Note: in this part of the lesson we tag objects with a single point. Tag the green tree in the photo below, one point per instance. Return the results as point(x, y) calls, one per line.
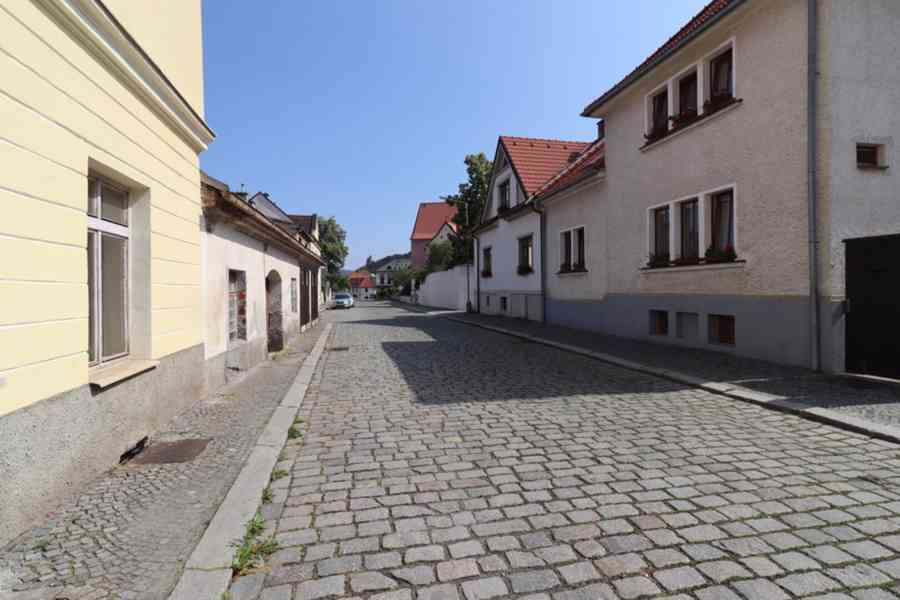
point(440, 256)
point(469, 200)
point(333, 242)
point(339, 283)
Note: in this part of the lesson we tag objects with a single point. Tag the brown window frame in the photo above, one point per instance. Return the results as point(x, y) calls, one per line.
point(659, 322)
point(722, 329)
point(869, 156)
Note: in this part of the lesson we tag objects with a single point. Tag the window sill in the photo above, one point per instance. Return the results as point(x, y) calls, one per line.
point(703, 119)
point(106, 375)
point(864, 167)
point(572, 273)
point(522, 273)
point(713, 266)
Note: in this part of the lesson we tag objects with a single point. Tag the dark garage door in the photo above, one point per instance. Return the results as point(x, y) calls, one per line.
point(873, 317)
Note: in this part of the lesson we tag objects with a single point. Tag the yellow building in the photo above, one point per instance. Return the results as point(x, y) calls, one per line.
point(101, 127)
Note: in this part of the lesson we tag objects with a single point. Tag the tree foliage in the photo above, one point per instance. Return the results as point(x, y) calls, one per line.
point(469, 200)
point(440, 256)
point(333, 242)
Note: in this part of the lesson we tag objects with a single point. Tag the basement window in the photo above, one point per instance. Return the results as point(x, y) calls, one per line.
point(721, 329)
point(870, 156)
point(659, 322)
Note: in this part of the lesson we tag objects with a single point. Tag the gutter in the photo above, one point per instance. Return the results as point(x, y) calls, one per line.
point(635, 76)
point(543, 230)
point(815, 350)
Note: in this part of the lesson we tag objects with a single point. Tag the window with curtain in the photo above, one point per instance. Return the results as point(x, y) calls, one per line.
point(722, 221)
point(661, 234)
point(720, 69)
point(526, 255)
point(659, 123)
point(690, 229)
point(107, 255)
point(565, 251)
point(687, 95)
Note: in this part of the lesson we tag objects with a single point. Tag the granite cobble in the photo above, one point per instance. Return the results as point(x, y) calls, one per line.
point(444, 461)
point(127, 534)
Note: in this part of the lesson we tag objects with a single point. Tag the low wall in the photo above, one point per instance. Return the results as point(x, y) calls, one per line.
point(447, 289)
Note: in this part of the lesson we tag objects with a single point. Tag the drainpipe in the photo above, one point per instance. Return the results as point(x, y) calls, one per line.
point(812, 212)
point(543, 230)
point(476, 261)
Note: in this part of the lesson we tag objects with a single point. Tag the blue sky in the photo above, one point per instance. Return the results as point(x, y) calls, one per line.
point(361, 109)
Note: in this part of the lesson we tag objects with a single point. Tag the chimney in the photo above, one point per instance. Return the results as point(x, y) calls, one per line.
point(241, 194)
point(601, 129)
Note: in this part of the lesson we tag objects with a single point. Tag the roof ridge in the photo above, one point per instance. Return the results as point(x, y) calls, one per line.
point(536, 139)
point(570, 167)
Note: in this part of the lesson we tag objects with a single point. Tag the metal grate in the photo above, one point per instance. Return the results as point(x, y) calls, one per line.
point(179, 451)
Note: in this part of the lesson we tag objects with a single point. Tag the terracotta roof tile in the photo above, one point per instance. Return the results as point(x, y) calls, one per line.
point(430, 218)
point(697, 24)
point(590, 161)
point(537, 160)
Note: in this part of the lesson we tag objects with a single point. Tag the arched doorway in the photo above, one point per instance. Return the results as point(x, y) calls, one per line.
point(273, 312)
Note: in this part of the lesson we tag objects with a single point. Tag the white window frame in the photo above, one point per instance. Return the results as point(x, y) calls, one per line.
point(648, 105)
point(707, 76)
point(519, 240)
point(488, 250)
point(237, 315)
point(294, 295)
point(704, 214)
point(505, 180)
point(103, 227)
point(572, 245)
point(704, 80)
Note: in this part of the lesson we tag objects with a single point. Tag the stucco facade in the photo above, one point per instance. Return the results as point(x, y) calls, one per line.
point(755, 149)
point(81, 100)
point(522, 293)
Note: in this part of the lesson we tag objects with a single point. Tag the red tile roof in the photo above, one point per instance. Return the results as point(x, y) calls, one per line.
point(706, 17)
point(537, 160)
point(590, 161)
point(430, 218)
point(367, 283)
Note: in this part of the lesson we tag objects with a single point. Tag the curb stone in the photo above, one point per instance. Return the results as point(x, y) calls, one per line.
point(778, 403)
point(207, 573)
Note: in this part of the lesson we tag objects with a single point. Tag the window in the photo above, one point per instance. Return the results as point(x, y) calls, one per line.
point(107, 254)
point(690, 231)
point(870, 156)
point(487, 300)
point(659, 255)
point(687, 325)
point(237, 305)
point(721, 206)
point(526, 255)
point(503, 192)
point(486, 263)
point(687, 95)
point(721, 329)
point(659, 322)
point(659, 116)
point(293, 294)
point(571, 250)
point(503, 303)
point(721, 80)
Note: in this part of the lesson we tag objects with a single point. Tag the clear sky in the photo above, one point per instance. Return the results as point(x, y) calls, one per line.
point(361, 109)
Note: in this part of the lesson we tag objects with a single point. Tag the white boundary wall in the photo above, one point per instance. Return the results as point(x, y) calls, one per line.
point(447, 289)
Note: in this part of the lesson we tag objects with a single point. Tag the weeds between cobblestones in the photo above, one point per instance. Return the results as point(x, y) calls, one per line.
point(549, 476)
point(252, 551)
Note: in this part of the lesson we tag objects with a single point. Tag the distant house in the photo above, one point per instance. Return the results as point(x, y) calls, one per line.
point(432, 219)
point(509, 243)
point(362, 285)
point(259, 280)
point(384, 276)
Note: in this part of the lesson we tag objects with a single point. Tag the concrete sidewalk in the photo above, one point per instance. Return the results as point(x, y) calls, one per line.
point(129, 534)
point(869, 407)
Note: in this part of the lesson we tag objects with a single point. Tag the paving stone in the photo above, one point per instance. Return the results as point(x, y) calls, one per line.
point(635, 587)
point(482, 589)
point(533, 581)
point(335, 566)
point(718, 592)
point(424, 553)
point(621, 564)
point(370, 581)
point(421, 575)
point(805, 584)
point(324, 587)
point(465, 549)
point(760, 589)
point(723, 570)
point(858, 575)
point(579, 572)
point(438, 592)
point(679, 578)
point(457, 569)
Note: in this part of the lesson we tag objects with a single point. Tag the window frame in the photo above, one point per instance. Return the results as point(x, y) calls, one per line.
point(238, 301)
point(568, 251)
point(709, 107)
point(711, 198)
point(528, 267)
point(100, 227)
point(487, 261)
point(658, 322)
point(680, 233)
point(294, 295)
point(711, 330)
point(650, 133)
point(504, 203)
point(652, 235)
point(880, 150)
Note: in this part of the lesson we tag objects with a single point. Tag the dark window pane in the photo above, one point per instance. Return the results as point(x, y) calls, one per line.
point(659, 322)
point(661, 233)
point(687, 94)
point(92, 295)
point(867, 155)
point(114, 205)
point(660, 112)
point(566, 247)
point(690, 231)
point(722, 221)
point(721, 329)
point(720, 71)
point(579, 247)
point(114, 290)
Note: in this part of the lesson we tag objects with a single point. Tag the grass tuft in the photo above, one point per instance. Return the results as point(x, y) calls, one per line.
point(267, 495)
point(294, 433)
point(279, 474)
point(251, 551)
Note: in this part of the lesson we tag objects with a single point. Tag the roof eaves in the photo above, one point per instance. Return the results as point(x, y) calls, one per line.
point(638, 73)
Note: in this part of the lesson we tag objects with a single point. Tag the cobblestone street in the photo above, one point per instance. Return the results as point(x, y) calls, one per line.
point(128, 533)
point(442, 461)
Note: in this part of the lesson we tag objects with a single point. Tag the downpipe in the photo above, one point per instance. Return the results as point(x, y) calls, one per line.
point(812, 182)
